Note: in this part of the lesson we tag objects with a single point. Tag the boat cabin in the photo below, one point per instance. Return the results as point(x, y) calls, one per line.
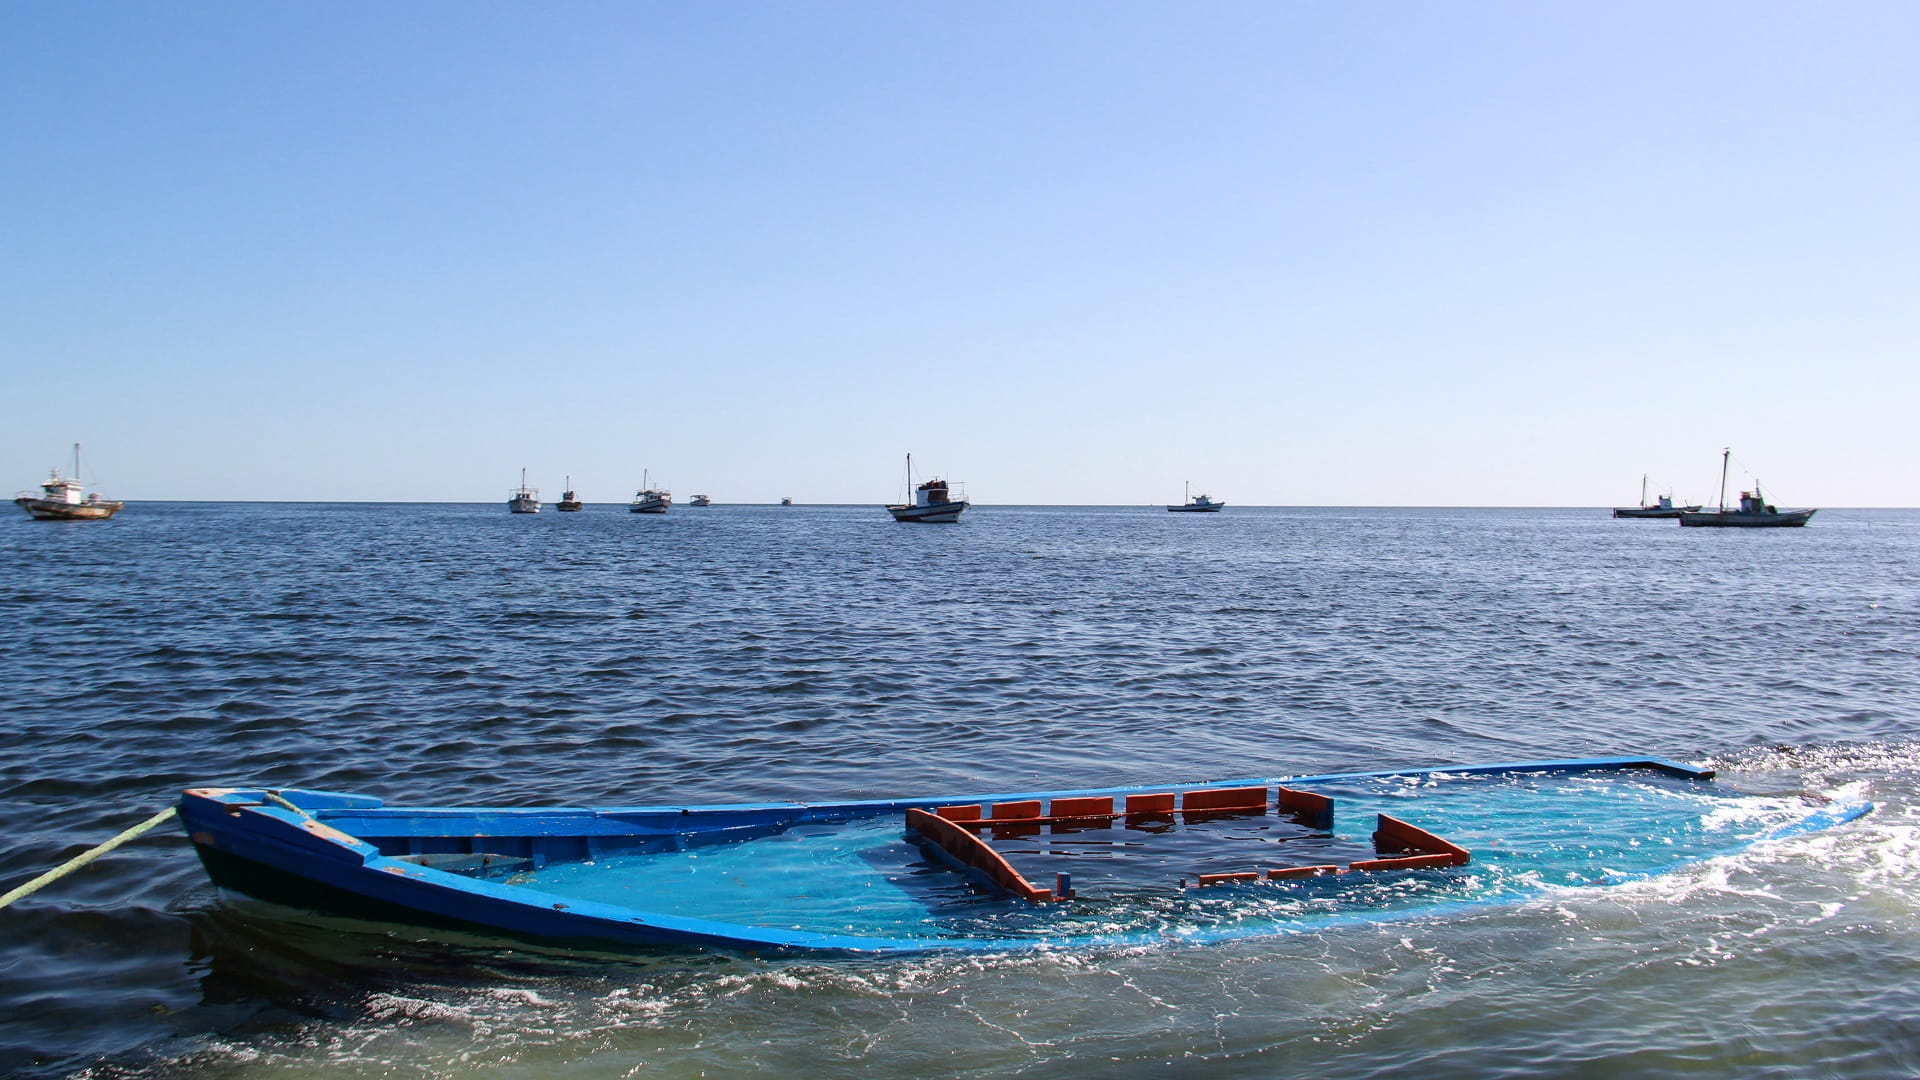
point(61, 490)
point(932, 493)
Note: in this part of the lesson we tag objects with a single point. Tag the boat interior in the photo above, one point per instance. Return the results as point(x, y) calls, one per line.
point(1200, 837)
point(1191, 838)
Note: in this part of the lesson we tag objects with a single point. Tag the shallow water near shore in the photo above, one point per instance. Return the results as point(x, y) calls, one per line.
point(457, 654)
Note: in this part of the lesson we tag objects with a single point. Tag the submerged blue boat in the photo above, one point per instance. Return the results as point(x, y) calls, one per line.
point(1119, 866)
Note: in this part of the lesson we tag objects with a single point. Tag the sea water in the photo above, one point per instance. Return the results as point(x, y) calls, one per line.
point(457, 654)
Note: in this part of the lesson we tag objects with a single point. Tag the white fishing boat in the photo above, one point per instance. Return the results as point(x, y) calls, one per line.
point(1196, 504)
point(568, 503)
point(650, 499)
point(523, 499)
point(65, 498)
point(700, 500)
point(1754, 512)
point(1662, 508)
point(933, 502)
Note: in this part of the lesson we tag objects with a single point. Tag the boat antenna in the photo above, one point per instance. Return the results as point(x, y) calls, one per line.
point(1725, 456)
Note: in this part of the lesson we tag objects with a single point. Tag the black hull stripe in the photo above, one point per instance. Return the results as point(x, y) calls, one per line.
point(929, 515)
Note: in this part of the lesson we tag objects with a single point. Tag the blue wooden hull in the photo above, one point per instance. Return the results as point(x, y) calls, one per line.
point(839, 878)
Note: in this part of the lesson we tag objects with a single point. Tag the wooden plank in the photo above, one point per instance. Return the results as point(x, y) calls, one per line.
point(1393, 835)
point(969, 850)
point(1312, 809)
point(1245, 798)
point(1089, 806)
point(1155, 803)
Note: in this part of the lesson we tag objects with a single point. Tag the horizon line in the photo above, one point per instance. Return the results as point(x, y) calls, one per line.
point(1009, 506)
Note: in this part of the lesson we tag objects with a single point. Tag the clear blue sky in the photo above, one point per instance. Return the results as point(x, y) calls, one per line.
point(1298, 253)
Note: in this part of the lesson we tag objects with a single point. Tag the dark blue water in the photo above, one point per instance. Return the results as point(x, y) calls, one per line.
point(459, 654)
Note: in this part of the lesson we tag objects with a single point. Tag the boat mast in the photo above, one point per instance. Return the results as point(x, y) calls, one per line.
point(909, 498)
point(1643, 490)
point(1724, 456)
point(76, 461)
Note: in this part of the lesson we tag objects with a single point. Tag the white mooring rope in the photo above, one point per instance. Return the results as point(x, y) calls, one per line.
point(84, 858)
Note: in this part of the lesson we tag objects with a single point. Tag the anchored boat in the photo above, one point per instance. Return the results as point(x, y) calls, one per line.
point(700, 500)
point(523, 499)
point(1662, 508)
point(65, 498)
point(1196, 504)
point(933, 502)
point(1754, 512)
point(1127, 866)
point(650, 499)
point(568, 503)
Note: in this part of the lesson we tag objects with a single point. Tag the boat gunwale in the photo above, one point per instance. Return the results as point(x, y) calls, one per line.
point(878, 806)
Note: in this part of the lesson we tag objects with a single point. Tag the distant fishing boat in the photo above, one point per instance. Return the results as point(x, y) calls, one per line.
point(523, 500)
point(700, 500)
point(786, 500)
point(932, 502)
point(1754, 513)
point(1663, 508)
point(650, 499)
point(568, 502)
point(1196, 504)
point(65, 498)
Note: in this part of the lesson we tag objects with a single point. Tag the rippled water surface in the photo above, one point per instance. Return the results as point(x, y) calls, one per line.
point(457, 654)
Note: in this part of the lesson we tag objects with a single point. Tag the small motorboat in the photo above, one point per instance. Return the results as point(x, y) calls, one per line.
point(1129, 866)
point(1754, 512)
point(569, 503)
point(1197, 504)
point(523, 499)
point(65, 498)
point(933, 502)
point(1661, 508)
point(650, 499)
point(786, 500)
point(700, 500)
